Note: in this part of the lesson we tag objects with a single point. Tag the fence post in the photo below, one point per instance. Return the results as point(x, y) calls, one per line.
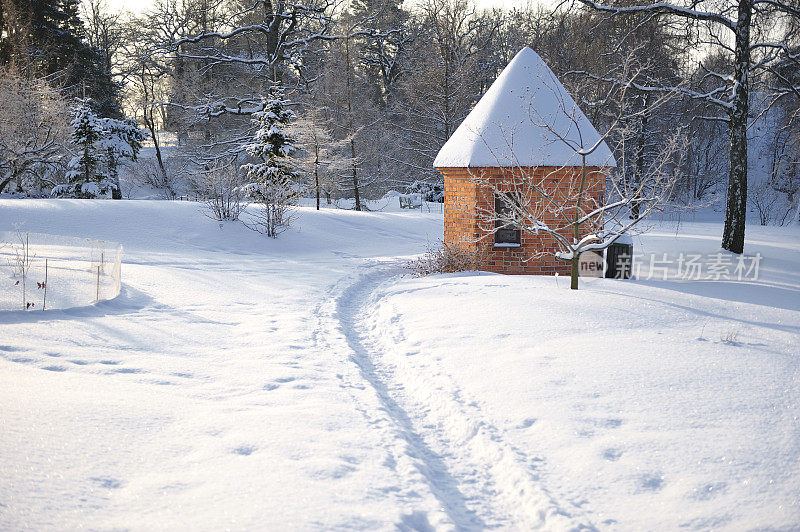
point(97, 297)
point(24, 269)
point(44, 298)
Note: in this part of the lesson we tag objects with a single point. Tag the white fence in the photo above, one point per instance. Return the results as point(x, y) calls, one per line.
point(44, 272)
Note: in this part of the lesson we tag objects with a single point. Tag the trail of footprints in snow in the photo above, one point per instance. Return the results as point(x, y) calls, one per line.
point(487, 472)
point(12, 354)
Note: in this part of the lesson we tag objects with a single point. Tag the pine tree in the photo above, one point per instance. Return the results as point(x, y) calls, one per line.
point(46, 37)
point(271, 143)
point(87, 131)
point(122, 139)
point(272, 179)
point(100, 143)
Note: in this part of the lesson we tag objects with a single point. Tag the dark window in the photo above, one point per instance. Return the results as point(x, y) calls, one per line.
point(506, 231)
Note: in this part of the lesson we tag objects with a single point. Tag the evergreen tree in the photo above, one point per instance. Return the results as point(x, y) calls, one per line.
point(86, 132)
point(100, 143)
point(122, 139)
point(46, 37)
point(271, 144)
point(272, 179)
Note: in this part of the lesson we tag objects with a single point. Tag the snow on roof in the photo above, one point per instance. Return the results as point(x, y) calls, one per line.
point(526, 118)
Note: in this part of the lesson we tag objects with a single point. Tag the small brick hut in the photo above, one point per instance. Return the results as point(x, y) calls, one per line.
point(525, 125)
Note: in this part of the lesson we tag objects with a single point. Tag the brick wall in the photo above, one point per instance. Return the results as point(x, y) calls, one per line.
point(469, 208)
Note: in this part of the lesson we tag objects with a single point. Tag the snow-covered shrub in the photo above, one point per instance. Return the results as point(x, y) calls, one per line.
point(177, 177)
point(87, 190)
point(222, 190)
point(272, 214)
point(34, 135)
point(431, 192)
point(444, 258)
point(770, 204)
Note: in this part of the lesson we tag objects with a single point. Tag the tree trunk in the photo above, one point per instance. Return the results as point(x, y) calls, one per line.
point(351, 122)
point(736, 207)
point(576, 225)
point(355, 175)
point(316, 172)
point(150, 123)
point(637, 178)
point(573, 276)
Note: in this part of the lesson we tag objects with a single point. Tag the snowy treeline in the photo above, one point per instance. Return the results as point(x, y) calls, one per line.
point(390, 82)
point(378, 86)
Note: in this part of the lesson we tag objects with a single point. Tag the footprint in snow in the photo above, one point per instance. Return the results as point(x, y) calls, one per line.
point(269, 387)
point(284, 379)
point(107, 482)
point(55, 368)
point(612, 455)
point(109, 362)
point(527, 423)
point(417, 521)
point(245, 450)
point(650, 482)
point(11, 348)
point(125, 370)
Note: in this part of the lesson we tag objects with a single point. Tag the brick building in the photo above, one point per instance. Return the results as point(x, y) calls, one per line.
point(525, 134)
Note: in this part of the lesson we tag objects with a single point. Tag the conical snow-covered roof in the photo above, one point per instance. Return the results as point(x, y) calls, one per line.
point(524, 119)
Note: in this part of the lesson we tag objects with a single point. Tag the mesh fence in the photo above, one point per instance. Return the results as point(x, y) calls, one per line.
point(43, 272)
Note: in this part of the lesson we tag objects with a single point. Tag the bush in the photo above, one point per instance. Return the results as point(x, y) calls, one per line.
point(427, 191)
point(85, 190)
point(272, 210)
point(220, 188)
point(446, 258)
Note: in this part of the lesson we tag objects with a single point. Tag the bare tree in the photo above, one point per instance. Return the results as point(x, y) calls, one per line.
point(319, 158)
point(21, 262)
point(34, 134)
point(754, 27)
point(453, 65)
point(104, 32)
point(268, 37)
point(221, 188)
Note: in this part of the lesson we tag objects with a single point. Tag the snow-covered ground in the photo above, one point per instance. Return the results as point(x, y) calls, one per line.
point(240, 382)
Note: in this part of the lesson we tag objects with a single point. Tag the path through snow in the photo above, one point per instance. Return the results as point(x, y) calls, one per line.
point(479, 478)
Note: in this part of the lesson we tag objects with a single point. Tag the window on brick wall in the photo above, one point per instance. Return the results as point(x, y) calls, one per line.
point(506, 232)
